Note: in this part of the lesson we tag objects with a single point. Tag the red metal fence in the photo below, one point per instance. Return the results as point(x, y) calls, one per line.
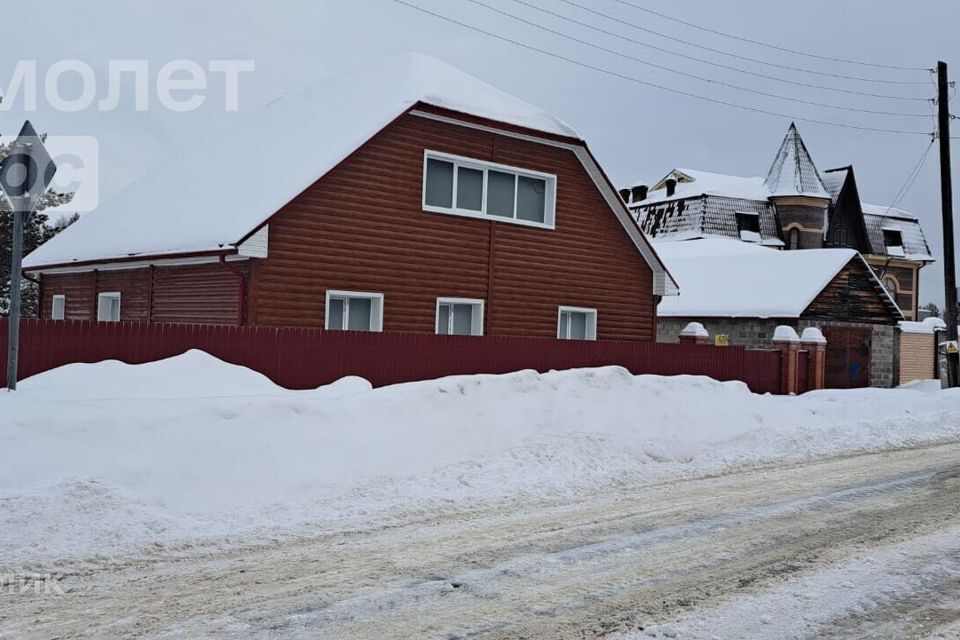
point(308, 358)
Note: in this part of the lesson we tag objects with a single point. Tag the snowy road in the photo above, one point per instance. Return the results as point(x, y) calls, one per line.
point(857, 546)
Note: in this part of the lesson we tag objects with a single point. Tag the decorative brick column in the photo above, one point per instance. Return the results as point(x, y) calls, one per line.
point(788, 342)
point(816, 345)
point(694, 333)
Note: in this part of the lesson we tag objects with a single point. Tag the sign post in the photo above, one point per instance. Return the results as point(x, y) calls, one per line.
point(25, 175)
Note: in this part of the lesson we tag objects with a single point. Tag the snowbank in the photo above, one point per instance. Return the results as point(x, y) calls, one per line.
point(102, 460)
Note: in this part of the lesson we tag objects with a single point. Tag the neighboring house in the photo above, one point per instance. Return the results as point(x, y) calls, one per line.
point(409, 196)
point(793, 207)
point(745, 291)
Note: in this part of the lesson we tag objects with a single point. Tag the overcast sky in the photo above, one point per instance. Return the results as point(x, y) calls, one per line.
point(637, 131)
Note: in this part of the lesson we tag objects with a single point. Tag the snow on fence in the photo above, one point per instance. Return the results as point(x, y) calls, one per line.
point(307, 358)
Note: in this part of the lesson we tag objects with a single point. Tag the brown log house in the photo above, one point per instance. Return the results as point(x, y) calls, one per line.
point(435, 203)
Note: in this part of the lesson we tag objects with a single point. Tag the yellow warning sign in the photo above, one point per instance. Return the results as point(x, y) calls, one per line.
point(721, 340)
point(951, 347)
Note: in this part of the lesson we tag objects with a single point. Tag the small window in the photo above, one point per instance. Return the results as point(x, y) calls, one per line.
point(748, 224)
point(891, 284)
point(474, 188)
point(576, 323)
point(459, 317)
point(354, 311)
point(58, 308)
point(108, 307)
point(893, 239)
point(794, 239)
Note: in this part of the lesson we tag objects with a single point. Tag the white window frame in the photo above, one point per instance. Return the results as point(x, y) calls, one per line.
point(592, 317)
point(62, 299)
point(476, 322)
point(376, 310)
point(550, 197)
point(109, 295)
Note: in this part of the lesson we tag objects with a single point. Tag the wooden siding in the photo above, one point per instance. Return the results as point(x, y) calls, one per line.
point(206, 293)
point(362, 227)
point(852, 296)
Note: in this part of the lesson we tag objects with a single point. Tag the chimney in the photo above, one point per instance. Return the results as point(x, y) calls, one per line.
point(671, 187)
point(639, 193)
point(625, 194)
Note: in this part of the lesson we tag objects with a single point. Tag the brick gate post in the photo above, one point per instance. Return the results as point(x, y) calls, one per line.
point(788, 342)
point(694, 333)
point(816, 345)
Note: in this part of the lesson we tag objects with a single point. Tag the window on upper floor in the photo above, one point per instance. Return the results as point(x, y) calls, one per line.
point(576, 323)
point(477, 189)
point(748, 224)
point(890, 283)
point(459, 317)
point(354, 311)
point(58, 307)
point(893, 239)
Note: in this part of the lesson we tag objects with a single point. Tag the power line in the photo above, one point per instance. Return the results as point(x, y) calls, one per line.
point(704, 60)
point(647, 83)
point(758, 92)
point(767, 44)
point(746, 58)
point(911, 178)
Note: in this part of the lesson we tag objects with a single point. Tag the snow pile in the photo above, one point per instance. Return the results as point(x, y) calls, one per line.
point(106, 459)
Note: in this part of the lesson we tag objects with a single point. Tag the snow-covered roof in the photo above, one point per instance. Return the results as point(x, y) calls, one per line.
point(213, 196)
point(886, 212)
point(793, 172)
point(879, 219)
point(693, 182)
point(833, 181)
point(731, 279)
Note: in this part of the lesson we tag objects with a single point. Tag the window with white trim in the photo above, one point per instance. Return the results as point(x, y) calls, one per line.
point(459, 317)
point(58, 307)
point(576, 323)
point(354, 311)
point(108, 307)
point(477, 189)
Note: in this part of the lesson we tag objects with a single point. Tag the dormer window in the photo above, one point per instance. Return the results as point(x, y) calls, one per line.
point(477, 189)
point(748, 224)
point(893, 240)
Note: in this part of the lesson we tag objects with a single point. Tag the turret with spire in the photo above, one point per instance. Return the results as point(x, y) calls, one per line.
point(798, 192)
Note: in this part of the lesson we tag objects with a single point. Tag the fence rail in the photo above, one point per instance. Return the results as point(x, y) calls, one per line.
point(307, 358)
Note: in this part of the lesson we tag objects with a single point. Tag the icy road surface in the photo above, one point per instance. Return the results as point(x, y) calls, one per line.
point(862, 546)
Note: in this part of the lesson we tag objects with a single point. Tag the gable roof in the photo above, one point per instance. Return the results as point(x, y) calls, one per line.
point(793, 172)
point(730, 279)
point(212, 197)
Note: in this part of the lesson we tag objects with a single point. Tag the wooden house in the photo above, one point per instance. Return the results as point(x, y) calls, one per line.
point(794, 206)
point(743, 291)
point(408, 196)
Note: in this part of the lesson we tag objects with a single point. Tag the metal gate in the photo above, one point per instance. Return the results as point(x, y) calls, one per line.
point(848, 356)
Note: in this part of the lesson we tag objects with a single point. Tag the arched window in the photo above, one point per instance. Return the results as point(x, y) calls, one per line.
point(794, 239)
point(890, 283)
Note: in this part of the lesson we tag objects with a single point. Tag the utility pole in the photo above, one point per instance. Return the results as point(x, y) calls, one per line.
point(13, 326)
point(25, 175)
point(946, 194)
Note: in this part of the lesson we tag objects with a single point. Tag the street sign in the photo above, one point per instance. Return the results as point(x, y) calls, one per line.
point(26, 173)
